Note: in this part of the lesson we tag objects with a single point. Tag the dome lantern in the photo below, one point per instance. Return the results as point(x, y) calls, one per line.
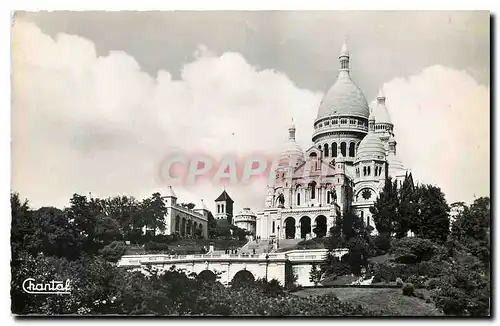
point(344, 98)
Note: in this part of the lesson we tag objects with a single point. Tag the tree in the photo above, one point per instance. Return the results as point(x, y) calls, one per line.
point(153, 211)
point(54, 235)
point(188, 205)
point(349, 232)
point(125, 211)
point(407, 209)
point(22, 227)
point(212, 226)
point(432, 221)
point(385, 214)
point(82, 215)
point(472, 229)
point(463, 288)
point(113, 251)
point(315, 274)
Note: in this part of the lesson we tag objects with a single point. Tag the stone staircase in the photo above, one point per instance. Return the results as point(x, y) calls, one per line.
point(260, 247)
point(285, 244)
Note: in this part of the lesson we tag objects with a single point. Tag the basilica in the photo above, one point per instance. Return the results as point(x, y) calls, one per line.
point(353, 152)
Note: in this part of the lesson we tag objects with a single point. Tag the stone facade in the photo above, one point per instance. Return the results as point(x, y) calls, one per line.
point(184, 221)
point(353, 152)
point(246, 220)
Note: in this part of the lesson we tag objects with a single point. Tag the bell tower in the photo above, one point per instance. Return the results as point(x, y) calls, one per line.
point(224, 207)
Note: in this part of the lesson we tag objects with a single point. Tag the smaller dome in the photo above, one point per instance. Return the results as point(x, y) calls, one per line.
point(380, 110)
point(395, 162)
point(245, 212)
point(292, 152)
point(370, 148)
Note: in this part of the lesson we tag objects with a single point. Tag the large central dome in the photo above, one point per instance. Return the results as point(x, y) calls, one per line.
point(344, 97)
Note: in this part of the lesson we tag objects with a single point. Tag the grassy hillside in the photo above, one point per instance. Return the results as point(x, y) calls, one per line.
point(384, 301)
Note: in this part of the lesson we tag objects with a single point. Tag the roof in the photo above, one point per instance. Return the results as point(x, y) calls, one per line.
point(224, 197)
point(291, 150)
point(380, 110)
point(170, 192)
point(371, 148)
point(344, 97)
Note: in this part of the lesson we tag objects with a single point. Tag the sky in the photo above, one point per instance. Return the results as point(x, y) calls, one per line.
point(100, 99)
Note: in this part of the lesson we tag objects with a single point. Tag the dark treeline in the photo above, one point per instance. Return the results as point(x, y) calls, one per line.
point(82, 242)
point(451, 261)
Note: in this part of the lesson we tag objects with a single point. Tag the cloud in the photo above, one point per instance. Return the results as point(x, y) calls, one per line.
point(442, 126)
point(85, 123)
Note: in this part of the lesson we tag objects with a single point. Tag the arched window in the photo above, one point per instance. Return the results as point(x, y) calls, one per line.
point(334, 150)
point(313, 190)
point(274, 224)
point(343, 149)
point(298, 199)
point(368, 171)
point(326, 150)
point(364, 170)
point(351, 150)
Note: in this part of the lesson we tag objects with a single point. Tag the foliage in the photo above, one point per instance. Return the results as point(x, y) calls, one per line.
point(114, 251)
point(472, 228)
point(408, 289)
point(315, 274)
point(382, 243)
point(290, 277)
point(349, 232)
point(432, 221)
point(463, 287)
point(385, 208)
point(412, 250)
point(314, 243)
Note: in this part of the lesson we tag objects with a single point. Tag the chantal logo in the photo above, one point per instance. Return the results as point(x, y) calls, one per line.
point(52, 287)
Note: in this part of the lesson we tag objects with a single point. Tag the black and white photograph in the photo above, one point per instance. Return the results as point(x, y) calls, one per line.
point(265, 163)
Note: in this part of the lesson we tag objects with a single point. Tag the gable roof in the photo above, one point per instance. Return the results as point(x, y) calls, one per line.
point(224, 197)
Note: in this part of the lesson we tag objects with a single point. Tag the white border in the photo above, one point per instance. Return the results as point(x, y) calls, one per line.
point(32, 5)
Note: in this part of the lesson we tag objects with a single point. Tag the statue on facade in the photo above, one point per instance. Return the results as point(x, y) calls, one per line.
point(281, 200)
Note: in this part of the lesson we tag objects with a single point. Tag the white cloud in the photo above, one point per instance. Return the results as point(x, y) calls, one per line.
point(83, 123)
point(442, 126)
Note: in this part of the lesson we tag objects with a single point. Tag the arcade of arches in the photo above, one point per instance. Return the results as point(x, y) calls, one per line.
point(304, 227)
point(186, 227)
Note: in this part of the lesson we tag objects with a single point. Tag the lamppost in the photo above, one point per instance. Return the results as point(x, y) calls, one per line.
point(278, 241)
point(267, 263)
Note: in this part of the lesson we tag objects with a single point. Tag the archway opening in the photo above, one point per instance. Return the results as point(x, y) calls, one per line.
point(177, 224)
point(242, 277)
point(305, 226)
point(183, 227)
point(321, 227)
point(207, 275)
point(290, 228)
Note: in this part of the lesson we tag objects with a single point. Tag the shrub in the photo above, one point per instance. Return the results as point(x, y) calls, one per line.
point(156, 246)
point(420, 295)
point(408, 289)
point(382, 243)
point(412, 250)
point(114, 251)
